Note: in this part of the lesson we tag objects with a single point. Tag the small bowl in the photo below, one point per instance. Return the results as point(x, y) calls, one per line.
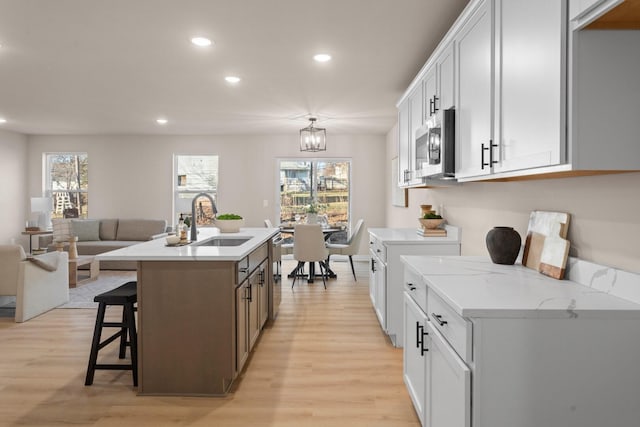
point(172, 239)
point(431, 223)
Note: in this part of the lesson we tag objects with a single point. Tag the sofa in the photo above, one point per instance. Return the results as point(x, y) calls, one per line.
point(96, 236)
point(38, 283)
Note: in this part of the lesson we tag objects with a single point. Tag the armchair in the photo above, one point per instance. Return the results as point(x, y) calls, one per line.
point(36, 289)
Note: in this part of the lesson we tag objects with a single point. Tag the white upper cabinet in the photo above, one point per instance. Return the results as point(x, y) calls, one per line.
point(430, 85)
point(540, 88)
point(404, 160)
point(475, 94)
point(530, 77)
point(410, 118)
point(416, 113)
point(446, 87)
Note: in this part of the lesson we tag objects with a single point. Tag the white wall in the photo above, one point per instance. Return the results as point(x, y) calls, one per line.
point(14, 197)
point(131, 176)
point(605, 211)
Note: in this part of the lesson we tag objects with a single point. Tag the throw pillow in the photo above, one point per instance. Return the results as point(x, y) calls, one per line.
point(86, 229)
point(61, 229)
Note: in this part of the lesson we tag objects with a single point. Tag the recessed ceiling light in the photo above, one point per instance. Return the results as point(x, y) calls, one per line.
point(3, 120)
point(162, 121)
point(232, 79)
point(322, 57)
point(201, 41)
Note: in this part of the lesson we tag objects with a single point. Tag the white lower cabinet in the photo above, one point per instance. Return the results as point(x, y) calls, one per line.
point(449, 384)
point(377, 292)
point(386, 246)
point(415, 365)
point(507, 346)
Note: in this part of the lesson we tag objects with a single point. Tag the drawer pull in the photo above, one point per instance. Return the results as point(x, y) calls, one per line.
point(438, 319)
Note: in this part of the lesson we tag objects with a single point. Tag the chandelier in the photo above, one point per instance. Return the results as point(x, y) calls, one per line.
point(313, 138)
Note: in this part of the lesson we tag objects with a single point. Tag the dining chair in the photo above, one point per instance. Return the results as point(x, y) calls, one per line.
point(309, 246)
point(350, 248)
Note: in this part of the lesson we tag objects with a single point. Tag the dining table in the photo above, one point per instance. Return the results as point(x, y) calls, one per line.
point(327, 232)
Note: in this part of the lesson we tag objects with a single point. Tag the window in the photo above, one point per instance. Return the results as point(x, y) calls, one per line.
point(195, 174)
point(67, 183)
point(325, 183)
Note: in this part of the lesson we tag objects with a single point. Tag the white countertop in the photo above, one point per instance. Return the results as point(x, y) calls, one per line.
point(476, 287)
point(157, 250)
point(409, 236)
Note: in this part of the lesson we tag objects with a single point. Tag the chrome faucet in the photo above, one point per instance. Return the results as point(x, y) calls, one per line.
point(194, 232)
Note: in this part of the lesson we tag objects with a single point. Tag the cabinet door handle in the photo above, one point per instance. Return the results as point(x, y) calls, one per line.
point(243, 269)
point(491, 147)
point(431, 107)
point(420, 334)
point(411, 287)
point(438, 319)
point(482, 149)
point(373, 265)
point(422, 349)
point(435, 98)
point(250, 297)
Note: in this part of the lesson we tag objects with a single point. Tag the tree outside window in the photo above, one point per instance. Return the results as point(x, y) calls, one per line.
point(67, 183)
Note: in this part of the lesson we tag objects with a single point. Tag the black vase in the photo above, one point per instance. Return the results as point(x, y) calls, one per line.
point(503, 244)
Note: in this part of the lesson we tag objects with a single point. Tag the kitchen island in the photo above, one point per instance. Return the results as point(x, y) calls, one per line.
point(201, 308)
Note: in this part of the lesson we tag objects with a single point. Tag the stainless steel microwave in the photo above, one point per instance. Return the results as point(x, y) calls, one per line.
point(435, 147)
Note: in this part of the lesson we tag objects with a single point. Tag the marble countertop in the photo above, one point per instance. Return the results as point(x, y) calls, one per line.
point(409, 236)
point(157, 250)
point(475, 287)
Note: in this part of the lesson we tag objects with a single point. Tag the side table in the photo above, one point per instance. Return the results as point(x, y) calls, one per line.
point(32, 233)
point(75, 278)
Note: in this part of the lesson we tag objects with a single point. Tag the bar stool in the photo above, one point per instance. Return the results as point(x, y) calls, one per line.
point(126, 296)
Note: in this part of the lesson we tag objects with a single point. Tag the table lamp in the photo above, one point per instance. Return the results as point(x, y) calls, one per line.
point(42, 206)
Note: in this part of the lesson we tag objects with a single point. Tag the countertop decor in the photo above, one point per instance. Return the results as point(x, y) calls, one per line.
point(503, 244)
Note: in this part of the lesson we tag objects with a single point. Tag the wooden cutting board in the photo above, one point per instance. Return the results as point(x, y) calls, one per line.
point(541, 225)
point(532, 250)
point(553, 259)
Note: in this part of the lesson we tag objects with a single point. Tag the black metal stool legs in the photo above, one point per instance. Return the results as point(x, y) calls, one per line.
point(95, 344)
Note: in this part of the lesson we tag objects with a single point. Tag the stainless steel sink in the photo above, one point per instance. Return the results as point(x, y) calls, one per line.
point(223, 241)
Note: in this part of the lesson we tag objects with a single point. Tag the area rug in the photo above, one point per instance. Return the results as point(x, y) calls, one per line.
point(82, 296)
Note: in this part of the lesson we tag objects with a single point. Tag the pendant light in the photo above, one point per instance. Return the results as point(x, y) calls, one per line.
point(313, 138)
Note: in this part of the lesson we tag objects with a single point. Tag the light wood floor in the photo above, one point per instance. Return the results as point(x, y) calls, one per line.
point(323, 362)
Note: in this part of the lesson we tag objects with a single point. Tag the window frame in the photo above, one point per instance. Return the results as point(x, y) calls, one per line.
point(183, 204)
point(48, 191)
point(313, 191)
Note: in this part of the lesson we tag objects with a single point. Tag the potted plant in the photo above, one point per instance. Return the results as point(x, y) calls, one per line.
point(431, 220)
point(229, 223)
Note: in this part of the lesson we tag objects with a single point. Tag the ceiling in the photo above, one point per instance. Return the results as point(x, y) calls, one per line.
point(115, 66)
